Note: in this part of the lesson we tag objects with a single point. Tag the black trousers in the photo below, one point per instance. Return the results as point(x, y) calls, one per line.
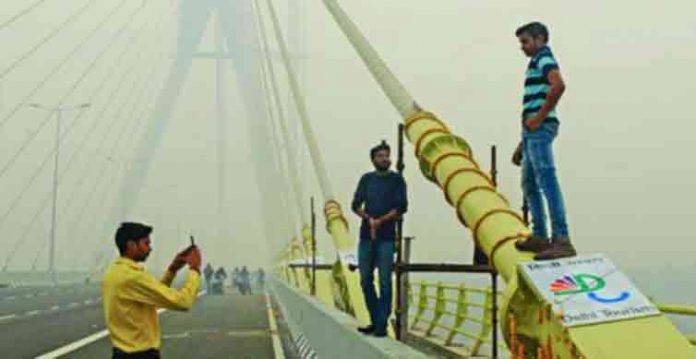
point(145, 354)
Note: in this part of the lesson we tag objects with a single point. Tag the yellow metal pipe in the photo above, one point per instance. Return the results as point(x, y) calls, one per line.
point(447, 160)
point(677, 309)
point(346, 289)
point(298, 256)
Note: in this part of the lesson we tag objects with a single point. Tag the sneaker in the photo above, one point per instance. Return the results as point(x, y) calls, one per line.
point(367, 330)
point(534, 244)
point(560, 248)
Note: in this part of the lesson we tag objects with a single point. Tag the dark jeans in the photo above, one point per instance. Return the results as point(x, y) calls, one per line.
point(146, 354)
point(377, 254)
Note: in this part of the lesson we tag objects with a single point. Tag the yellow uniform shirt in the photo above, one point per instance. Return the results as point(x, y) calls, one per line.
point(131, 297)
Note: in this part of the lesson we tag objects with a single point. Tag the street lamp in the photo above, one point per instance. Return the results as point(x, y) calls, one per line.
point(59, 113)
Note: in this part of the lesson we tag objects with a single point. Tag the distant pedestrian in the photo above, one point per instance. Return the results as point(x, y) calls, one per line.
point(208, 274)
point(261, 279)
point(245, 281)
point(237, 280)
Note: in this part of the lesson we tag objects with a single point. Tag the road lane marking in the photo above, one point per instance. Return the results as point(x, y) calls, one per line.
point(12, 297)
point(29, 295)
point(73, 305)
point(43, 294)
point(71, 347)
point(54, 308)
point(32, 312)
point(277, 346)
point(7, 317)
point(176, 336)
point(249, 333)
point(75, 345)
point(87, 302)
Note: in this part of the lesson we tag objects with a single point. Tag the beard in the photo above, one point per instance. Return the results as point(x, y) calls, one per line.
point(382, 166)
point(143, 257)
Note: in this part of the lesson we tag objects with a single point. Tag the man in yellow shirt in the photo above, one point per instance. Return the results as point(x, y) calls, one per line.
point(131, 296)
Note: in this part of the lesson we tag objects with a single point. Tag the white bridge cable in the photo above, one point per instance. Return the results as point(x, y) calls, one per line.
point(55, 69)
point(130, 121)
point(38, 255)
point(122, 133)
point(292, 227)
point(43, 206)
point(392, 87)
point(310, 139)
point(27, 229)
point(138, 102)
point(112, 96)
point(97, 153)
point(20, 14)
point(289, 223)
point(96, 92)
point(288, 226)
point(106, 221)
point(48, 157)
point(296, 19)
point(284, 144)
point(68, 93)
point(221, 114)
point(129, 129)
point(282, 121)
point(47, 38)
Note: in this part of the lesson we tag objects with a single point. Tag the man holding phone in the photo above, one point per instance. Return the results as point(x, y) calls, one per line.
point(131, 296)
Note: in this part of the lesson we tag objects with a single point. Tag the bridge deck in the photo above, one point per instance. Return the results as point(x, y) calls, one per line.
point(219, 326)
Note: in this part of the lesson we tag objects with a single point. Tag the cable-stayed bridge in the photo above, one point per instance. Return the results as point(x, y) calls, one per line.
point(93, 92)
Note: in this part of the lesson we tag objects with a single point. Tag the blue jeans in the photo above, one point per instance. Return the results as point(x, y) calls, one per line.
point(539, 181)
point(377, 254)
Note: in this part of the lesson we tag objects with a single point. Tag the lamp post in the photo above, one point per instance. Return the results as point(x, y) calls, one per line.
point(52, 244)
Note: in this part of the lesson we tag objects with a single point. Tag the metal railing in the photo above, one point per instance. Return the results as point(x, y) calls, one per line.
point(461, 317)
point(441, 311)
point(455, 316)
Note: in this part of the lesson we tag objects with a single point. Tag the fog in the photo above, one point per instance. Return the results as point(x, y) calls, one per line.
point(627, 123)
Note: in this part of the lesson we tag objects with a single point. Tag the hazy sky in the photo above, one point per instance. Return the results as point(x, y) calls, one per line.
point(623, 150)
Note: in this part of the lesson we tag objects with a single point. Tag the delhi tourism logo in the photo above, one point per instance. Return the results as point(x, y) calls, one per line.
point(581, 283)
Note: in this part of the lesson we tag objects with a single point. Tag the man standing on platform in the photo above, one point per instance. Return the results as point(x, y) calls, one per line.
point(379, 200)
point(131, 296)
point(543, 88)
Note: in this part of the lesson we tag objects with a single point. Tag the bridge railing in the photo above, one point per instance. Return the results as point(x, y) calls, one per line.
point(459, 317)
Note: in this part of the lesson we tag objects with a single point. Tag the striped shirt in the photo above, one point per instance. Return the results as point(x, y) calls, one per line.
point(536, 84)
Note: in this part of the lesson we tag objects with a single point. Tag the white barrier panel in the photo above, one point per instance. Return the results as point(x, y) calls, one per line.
point(330, 332)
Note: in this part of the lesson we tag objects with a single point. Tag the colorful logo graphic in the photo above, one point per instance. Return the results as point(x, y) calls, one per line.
point(581, 283)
